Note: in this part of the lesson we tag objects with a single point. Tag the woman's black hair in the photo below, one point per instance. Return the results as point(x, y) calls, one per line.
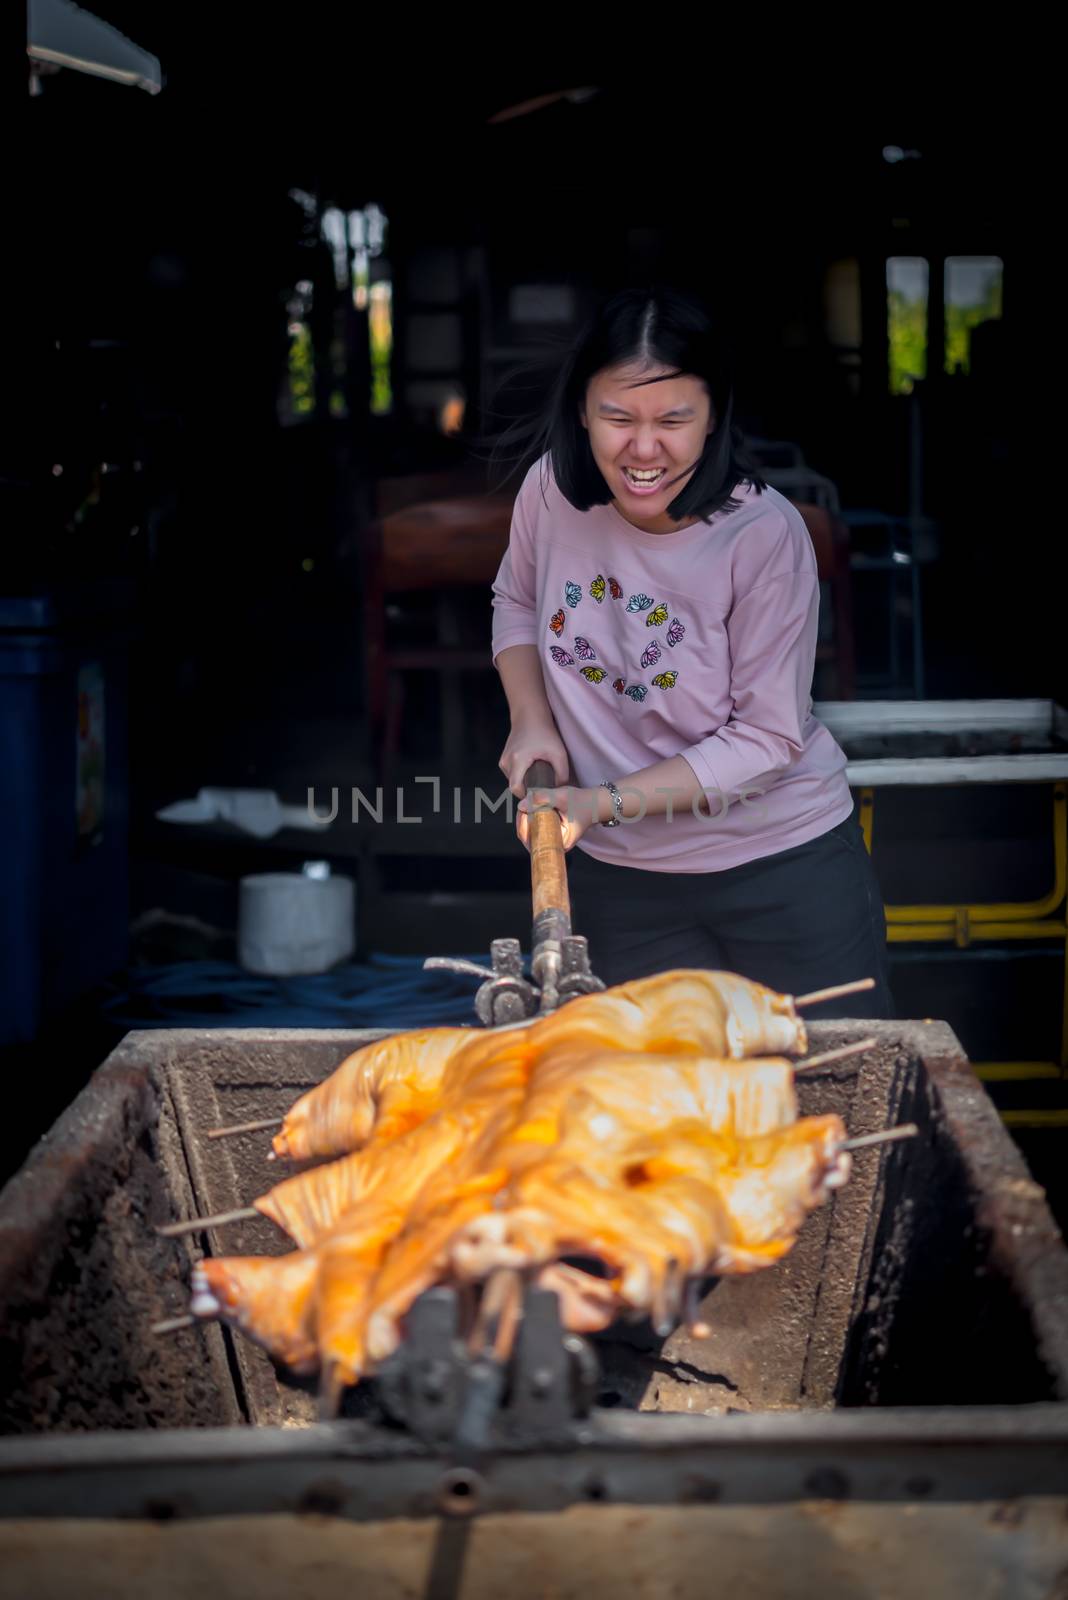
point(654, 326)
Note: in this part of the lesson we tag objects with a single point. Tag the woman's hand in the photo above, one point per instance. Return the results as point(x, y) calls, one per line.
point(532, 740)
point(578, 809)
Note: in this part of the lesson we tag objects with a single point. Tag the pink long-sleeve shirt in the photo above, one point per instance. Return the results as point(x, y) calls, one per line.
point(698, 643)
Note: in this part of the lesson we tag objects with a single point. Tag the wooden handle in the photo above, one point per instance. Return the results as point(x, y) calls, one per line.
point(548, 860)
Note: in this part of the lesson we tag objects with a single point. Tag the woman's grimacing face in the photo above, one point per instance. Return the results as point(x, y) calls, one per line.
point(646, 438)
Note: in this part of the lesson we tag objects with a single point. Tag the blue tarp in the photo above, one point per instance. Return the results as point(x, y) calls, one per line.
point(381, 991)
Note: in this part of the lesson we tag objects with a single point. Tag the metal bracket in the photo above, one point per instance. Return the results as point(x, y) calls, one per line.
point(576, 975)
point(505, 997)
point(443, 1394)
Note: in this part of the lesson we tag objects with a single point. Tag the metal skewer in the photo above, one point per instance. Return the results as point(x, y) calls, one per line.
point(834, 992)
point(835, 1055)
point(174, 1229)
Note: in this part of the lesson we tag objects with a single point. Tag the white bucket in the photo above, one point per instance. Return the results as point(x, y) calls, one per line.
point(296, 923)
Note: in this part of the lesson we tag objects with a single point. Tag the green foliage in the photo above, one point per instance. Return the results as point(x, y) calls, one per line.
point(907, 326)
point(301, 371)
point(380, 333)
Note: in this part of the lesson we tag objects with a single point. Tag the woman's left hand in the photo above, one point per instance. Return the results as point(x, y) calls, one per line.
point(577, 809)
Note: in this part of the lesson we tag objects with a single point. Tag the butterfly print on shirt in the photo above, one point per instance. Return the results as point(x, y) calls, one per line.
point(639, 604)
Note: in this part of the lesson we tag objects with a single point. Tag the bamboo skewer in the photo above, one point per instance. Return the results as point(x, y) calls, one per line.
point(331, 1392)
point(245, 1127)
point(172, 1324)
point(834, 992)
point(905, 1130)
point(835, 1055)
point(497, 1319)
point(173, 1230)
point(666, 1309)
point(695, 1324)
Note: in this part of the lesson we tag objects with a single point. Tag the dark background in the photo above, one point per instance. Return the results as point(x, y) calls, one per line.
point(152, 252)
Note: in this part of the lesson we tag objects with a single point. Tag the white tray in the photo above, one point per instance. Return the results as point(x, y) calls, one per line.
point(1032, 720)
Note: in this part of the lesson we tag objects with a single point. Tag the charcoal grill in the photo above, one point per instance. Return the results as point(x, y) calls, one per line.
point(886, 1405)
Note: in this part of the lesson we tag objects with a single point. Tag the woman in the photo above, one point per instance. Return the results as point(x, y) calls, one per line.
point(655, 631)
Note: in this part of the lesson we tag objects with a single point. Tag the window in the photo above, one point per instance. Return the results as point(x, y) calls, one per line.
point(842, 318)
point(906, 301)
point(380, 320)
point(372, 291)
point(973, 289)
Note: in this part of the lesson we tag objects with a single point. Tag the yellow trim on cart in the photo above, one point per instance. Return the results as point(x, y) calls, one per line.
point(965, 925)
point(1009, 911)
point(1054, 1118)
point(962, 932)
point(1016, 1071)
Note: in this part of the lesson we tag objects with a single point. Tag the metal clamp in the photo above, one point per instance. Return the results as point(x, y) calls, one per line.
point(505, 996)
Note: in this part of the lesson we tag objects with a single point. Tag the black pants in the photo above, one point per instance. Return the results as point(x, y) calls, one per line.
point(800, 920)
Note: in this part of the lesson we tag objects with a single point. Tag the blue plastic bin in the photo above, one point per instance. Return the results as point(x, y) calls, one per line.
point(64, 800)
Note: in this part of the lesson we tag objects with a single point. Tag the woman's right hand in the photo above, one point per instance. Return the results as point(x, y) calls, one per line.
point(531, 741)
